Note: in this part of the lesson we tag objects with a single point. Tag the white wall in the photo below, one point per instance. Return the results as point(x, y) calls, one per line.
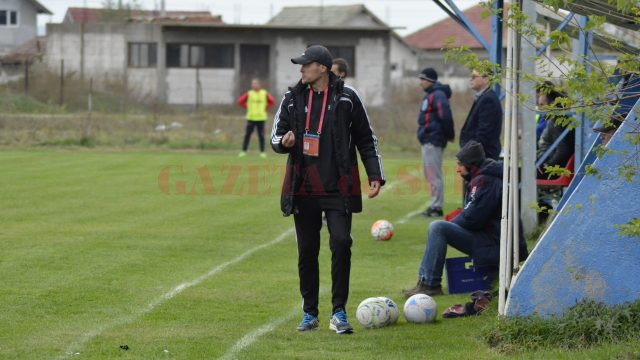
point(105, 53)
point(217, 86)
point(143, 81)
point(404, 58)
point(370, 70)
point(286, 73)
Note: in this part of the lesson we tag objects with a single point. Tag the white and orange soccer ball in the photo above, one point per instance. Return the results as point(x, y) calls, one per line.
point(382, 230)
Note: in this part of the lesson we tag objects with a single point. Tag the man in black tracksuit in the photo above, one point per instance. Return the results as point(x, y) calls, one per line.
point(320, 124)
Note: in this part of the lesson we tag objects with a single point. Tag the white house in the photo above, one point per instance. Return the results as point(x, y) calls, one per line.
point(18, 22)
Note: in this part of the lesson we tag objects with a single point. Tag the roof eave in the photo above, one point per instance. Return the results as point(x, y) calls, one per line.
point(41, 8)
point(279, 27)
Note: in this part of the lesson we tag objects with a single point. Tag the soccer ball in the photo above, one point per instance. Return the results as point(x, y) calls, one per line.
point(394, 313)
point(382, 230)
point(373, 313)
point(420, 309)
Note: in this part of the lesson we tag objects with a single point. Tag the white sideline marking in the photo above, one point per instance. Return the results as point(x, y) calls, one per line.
point(251, 337)
point(408, 216)
point(171, 293)
point(180, 288)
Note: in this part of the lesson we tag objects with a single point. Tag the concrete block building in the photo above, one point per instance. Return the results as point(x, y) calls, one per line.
point(183, 61)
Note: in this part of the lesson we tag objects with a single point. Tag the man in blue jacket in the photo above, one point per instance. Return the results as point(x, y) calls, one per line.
point(435, 128)
point(484, 122)
point(475, 231)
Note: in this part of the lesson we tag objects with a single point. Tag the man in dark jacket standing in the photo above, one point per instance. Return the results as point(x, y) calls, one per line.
point(484, 122)
point(435, 128)
point(475, 231)
point(320, 124)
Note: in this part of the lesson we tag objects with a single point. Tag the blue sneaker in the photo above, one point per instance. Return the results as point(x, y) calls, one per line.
point(309, 322)
point(339, 323)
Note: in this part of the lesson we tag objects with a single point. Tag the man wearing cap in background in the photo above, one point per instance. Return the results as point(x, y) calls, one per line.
point(435, 129)
point(475, 231)
point(320, 124)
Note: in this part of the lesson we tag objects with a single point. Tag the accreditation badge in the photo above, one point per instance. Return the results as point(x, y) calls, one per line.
point(311, 145)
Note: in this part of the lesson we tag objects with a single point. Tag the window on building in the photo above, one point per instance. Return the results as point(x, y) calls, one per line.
point(142, 54)
point(346, 52)
point(220, 56)
point(8, 18)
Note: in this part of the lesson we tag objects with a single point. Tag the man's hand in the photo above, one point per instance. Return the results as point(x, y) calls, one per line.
point(288, 140)
point(374, 189)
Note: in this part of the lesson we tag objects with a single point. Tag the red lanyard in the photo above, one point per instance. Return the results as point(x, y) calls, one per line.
point(324, 105)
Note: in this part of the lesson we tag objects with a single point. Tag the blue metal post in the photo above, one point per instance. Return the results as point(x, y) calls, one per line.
point(495, 54)
point(561, 27)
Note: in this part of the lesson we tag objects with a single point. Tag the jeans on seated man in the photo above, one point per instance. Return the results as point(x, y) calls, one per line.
point(475, 231)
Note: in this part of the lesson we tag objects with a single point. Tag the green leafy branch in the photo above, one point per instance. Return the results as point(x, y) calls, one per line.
point(631, 228)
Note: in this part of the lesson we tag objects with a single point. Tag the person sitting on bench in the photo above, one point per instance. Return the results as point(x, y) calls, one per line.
point(475, 231)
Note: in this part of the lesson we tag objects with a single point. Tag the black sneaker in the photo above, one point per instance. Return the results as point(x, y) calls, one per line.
point(433, 212)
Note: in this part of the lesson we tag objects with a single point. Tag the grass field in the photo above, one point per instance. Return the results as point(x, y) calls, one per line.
point(94, 255)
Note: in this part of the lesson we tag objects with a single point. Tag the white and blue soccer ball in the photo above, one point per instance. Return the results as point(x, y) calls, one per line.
point(420, 309)
point(373, 313)
point(394, 312)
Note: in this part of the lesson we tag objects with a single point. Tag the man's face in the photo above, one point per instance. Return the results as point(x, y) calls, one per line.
point(607, 136)
point(312, 72)
point(255, 84)
point(336, 71)
point(543, 100)
point(461, 170)
point(425, 84)
point(478, 81)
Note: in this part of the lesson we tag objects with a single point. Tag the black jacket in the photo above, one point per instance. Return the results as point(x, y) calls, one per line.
point(563, 152)
point(352, 129)
point(482, 215)
point(435, 123)
point(484, 124)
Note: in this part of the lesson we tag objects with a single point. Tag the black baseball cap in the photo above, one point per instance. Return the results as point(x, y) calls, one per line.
point(315, 53)
point(429, 74)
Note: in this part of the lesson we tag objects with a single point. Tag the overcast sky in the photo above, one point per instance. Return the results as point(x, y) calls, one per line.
point(410, 15)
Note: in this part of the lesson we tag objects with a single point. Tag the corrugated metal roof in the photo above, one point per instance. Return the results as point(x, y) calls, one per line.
point(573, 30)
point(606, 9)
